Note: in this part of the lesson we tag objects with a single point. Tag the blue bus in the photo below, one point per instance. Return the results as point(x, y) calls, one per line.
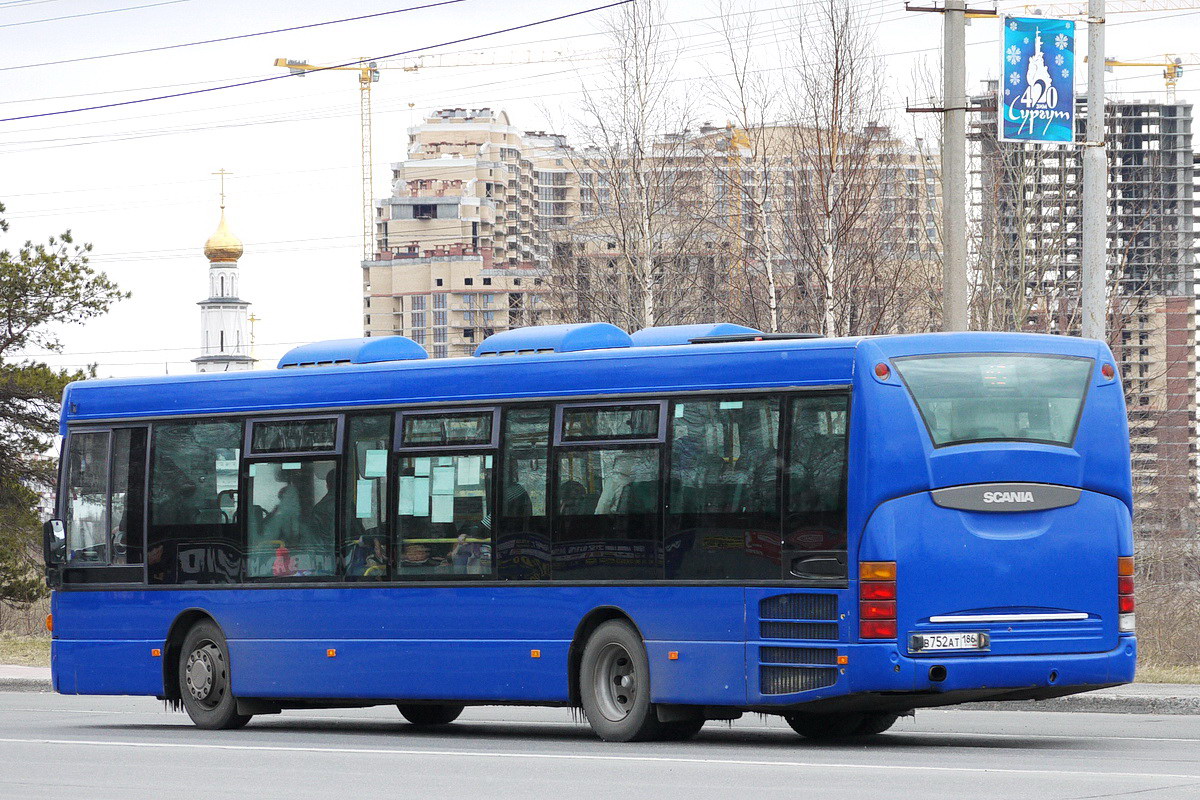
point(661, 529)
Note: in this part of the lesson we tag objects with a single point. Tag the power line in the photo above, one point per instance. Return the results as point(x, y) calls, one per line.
point(355, 63)
point(92, 13)
point(231, 38)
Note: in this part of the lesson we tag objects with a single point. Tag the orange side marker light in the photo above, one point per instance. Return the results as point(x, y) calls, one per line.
point(50, 622)
point(535, 653)
point(843, 659)
point(156, 653)
point(331, 653)
point(673, 655)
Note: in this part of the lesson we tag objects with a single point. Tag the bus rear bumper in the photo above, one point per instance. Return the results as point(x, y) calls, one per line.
point(877, 677)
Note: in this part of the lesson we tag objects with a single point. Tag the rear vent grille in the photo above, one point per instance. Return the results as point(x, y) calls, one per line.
point(825, 631)
point(786, 680)
point(798, 606)
point(797, 655)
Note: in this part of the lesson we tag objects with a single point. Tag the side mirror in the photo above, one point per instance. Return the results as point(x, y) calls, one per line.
point(54, 550)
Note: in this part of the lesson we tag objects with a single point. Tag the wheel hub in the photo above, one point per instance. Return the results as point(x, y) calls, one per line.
point(202, 673)
point(616, 682)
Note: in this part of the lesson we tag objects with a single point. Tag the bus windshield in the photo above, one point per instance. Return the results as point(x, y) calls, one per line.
point(997, 396)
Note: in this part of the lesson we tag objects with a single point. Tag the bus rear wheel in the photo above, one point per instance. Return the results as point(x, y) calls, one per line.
point(427, 716)
point(204, 679)
point(614, 685)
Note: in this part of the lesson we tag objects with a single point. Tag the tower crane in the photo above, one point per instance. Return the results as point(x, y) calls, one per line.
point(368, 73)
point(1079, 8)
point(1172, 69)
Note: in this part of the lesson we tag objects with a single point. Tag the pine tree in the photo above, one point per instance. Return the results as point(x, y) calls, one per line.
point(42, 288)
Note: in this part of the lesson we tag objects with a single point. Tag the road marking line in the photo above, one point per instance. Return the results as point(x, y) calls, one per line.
point(583, 725)
point(581, 757)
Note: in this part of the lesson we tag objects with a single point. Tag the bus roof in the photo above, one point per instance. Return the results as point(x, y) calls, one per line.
point(728, 366)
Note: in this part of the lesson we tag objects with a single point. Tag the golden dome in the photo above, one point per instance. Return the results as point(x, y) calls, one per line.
point(223, 245)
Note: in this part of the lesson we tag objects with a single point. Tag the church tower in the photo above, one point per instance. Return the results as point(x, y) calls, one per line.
point(224, 318)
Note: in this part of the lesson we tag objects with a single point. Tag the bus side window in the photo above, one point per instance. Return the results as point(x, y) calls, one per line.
point(86, 503)
point(364, 512)
point(104, 508)
point(606, 495)
point(294, 506)
point(815, 519)
point(523, 533)
point(443, 520)
point(723, 517)
point(191, 537)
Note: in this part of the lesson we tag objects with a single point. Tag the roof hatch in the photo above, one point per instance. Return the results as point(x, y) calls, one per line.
point(371, 350)
point(685, 334)
point(554, 339)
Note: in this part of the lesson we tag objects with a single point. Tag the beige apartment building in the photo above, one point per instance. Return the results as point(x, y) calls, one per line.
point(458, 254)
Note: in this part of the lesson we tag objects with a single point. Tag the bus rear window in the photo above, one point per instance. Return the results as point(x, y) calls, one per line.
point(997, 397)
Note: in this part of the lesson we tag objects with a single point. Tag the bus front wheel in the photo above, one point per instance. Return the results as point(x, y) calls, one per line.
point(614, 685)
point(204, 679)
point(429, 715)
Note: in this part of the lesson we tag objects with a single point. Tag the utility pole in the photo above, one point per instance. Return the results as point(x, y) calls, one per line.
point(1095, 184)
point(954, 167)
point(955, 291)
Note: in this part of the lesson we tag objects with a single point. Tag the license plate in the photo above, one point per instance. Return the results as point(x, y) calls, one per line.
point(974, 640)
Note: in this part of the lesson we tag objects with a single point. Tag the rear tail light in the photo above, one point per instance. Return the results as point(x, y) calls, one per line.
point(1125, 602)
point(877, 600)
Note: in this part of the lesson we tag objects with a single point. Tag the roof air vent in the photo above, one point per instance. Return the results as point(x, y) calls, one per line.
point(684, 334)
point(353, 351)
point(554, 339)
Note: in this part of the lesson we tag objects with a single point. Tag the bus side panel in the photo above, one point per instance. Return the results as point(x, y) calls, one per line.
point(106, 667)
point(469, 642)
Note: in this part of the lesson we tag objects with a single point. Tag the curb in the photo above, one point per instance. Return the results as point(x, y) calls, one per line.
point(25, 685)
point(1103, 704)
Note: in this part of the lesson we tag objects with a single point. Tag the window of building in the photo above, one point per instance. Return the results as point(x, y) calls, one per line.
point(440, 351)
point(193, 534)
point(425, 211)
point(418, 320)
point(468, 281)
point(487, 281)
point(440, 335)
point(418, 336)
point(723, 518)
point(439, 318)
point(523, 533)
point(438, 281)
point(418, 302)
point(439, 300)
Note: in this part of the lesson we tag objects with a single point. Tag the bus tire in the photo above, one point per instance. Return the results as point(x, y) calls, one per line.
point(614, 685)
point(427, 716)
point(825, 726)
point(205, 684)
point(875, 722)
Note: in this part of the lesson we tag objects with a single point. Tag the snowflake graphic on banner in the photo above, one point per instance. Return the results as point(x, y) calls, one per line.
point(1012, 26)
point(1066, 73)
point(1059, 60)
point(1060, 41)
point(1013, 55)
point(1026, 40)
point(1014, 78)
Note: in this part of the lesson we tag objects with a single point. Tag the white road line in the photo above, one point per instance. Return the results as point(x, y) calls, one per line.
point(578, 757)
point(781, 728)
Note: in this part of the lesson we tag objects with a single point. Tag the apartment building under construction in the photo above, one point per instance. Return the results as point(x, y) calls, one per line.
point(1028, 202)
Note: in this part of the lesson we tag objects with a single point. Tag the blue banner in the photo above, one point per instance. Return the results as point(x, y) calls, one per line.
point(1037, 90)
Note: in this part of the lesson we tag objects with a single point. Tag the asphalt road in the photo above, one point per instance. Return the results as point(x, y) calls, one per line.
point(92, 748)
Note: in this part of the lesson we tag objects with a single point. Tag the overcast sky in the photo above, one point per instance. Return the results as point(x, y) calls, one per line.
point(136, 180)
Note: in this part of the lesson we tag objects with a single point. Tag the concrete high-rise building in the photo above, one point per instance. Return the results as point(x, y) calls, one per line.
point(457, 250)
point(1028, 199)
point(224, 317)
